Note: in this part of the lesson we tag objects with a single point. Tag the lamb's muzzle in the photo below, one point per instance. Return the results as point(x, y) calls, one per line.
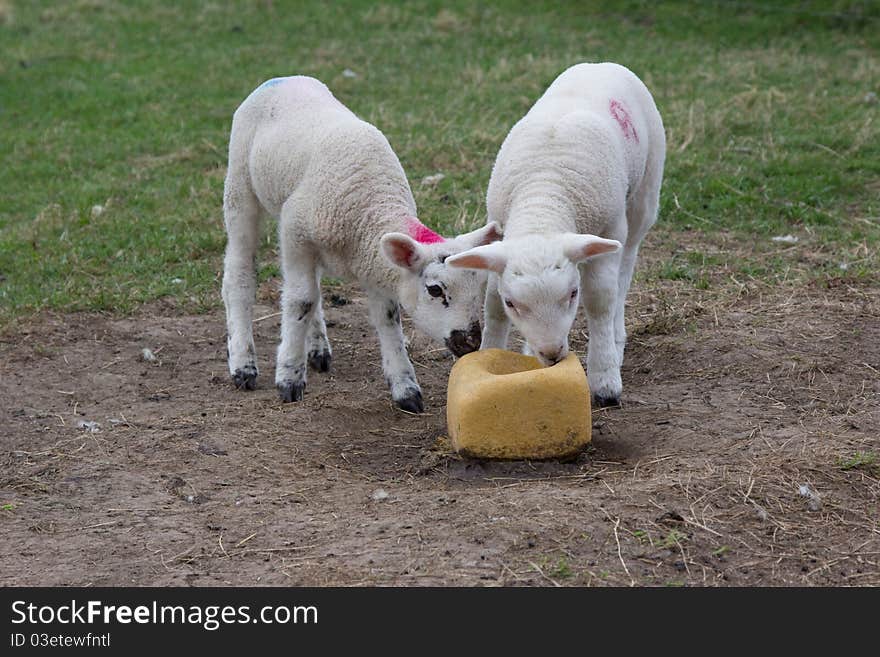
point(552, 356)
point(464, 342)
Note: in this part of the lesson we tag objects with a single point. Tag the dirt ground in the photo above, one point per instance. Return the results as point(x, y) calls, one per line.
point(743, 455)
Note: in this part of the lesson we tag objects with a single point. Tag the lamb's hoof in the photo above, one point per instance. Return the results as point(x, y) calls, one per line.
point(320, 361)
point(245, 378)
point(606, 402)
point(411, 401)
point(290, 391)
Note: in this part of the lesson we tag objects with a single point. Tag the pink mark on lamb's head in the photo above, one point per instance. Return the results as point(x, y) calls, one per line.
point(421, 233)
point(618, 111)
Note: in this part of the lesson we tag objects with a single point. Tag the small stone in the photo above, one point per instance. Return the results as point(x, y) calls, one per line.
point(97, 211)
point(430, 181)
point(814, 501)
point(871, 98)
point(379, 494)
point(148, 355)
point(86, 425)
point(348, 73)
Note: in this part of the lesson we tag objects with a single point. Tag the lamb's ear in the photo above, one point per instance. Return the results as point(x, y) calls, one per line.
point(489, 233)
point(490, 256)
point(403, 251)
point(580, 247)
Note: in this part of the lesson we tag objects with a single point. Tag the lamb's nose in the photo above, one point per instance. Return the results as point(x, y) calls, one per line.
point(464, 342)
point(552, 357)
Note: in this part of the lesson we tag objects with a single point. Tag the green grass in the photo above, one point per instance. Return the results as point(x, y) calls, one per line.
point(562, 570)
point(127, 105)
point(859, 461)
point(673, 539)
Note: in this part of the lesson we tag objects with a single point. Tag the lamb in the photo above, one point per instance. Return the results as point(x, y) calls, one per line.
point(344, 206)
point(575, 188)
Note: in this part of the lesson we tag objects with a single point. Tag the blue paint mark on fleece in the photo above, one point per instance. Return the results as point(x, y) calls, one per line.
point(271, 83)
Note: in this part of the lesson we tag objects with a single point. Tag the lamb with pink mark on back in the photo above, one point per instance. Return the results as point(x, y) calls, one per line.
point(344, 207)
point(575, 187)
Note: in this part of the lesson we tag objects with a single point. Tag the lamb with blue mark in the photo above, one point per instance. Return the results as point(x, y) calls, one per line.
point(345, 208)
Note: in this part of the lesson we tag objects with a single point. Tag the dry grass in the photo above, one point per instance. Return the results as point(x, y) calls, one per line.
point(7, 14)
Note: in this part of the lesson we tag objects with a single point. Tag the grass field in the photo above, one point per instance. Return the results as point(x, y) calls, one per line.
point(115, 118)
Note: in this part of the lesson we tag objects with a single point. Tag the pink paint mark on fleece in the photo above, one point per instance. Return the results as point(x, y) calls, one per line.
point(618, 111)
point(421, 233)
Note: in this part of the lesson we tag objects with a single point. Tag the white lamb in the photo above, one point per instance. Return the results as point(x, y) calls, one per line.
point(344, 206)
point(579, 176)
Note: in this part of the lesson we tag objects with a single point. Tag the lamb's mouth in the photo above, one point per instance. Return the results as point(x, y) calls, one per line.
point(464, 342)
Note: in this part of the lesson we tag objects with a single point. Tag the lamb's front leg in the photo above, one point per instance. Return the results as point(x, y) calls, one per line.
point(300, 297)
point(497, 325)
point(599, 290)
point(399, 372)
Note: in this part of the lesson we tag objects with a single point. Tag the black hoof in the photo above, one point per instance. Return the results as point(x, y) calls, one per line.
point(290, 391)
point(320, 361)
point(411, 402)
point(245, 378)
point(606, 402)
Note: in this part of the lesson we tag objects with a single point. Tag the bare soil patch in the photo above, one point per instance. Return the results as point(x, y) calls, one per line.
point(744, 455)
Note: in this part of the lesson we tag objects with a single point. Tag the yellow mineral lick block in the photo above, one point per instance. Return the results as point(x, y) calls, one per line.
point(504, 405)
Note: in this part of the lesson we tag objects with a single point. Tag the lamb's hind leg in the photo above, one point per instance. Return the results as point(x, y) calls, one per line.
point(319, 350)
point(627, 265)
point(399, 372)
point(641, 214)
point(241, 214)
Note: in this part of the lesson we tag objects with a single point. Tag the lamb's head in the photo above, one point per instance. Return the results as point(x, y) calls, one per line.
point(445, 303)
point(539, 284)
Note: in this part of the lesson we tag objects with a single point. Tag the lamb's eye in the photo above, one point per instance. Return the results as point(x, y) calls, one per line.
point(509, 304)
point(574, 294)
point(435, 291)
